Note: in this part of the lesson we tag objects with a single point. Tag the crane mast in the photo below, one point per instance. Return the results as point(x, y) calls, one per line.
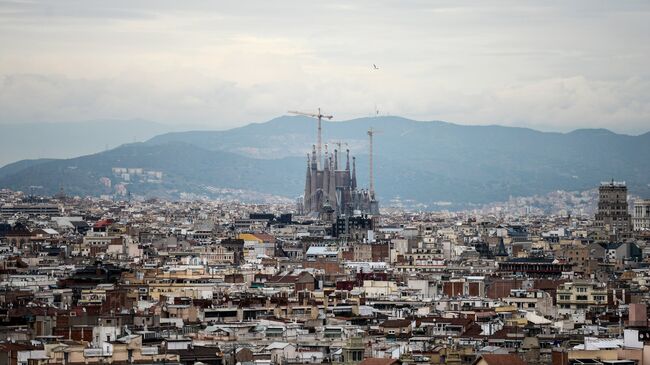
point(371, 134)
point(318, 116)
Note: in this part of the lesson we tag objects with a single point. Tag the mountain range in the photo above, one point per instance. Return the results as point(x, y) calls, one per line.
point(427, 162)
point(20, 141)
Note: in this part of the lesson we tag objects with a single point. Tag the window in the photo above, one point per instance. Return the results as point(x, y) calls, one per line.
point(357, 356)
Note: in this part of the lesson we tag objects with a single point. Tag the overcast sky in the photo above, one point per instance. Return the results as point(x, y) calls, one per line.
point(549, 65)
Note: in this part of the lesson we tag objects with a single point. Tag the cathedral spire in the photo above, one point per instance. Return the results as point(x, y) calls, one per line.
point(347, 160)
point(354, 173)
point(326, 176)
point(336, 159)
point(332, 188)
point(306, 199)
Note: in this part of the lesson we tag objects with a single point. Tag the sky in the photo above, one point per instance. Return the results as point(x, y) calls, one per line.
point(548, 65)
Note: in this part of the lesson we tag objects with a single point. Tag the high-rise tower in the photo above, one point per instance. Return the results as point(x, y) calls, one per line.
point(613, 216)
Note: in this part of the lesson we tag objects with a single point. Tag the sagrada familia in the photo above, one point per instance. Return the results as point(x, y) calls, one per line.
point(331, 191)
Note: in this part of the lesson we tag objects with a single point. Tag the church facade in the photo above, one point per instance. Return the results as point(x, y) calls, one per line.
point(331, 190)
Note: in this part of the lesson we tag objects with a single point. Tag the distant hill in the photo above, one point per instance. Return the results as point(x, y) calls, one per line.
point(432, 161)
point(66, 140)
point(185, 168)
point(15, 167)
point(424, 161)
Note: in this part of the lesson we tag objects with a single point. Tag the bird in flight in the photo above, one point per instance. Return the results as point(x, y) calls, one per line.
point(375, 66)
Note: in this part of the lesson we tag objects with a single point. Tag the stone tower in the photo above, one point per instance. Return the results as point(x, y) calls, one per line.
point(613, 217)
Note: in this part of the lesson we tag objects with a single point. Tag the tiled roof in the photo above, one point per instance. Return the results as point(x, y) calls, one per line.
point(396, 323)
point(501, 359)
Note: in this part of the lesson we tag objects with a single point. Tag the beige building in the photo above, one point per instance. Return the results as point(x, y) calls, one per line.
point(378, 289)
point(582, 296)
point(531, 300)
point(215, 255)
point(127, 349)
point(178, 281)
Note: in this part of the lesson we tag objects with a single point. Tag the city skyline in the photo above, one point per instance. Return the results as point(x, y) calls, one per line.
point(324, 183)
point(444, 182)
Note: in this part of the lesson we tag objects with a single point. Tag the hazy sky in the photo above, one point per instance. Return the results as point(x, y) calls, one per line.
point(550, 65)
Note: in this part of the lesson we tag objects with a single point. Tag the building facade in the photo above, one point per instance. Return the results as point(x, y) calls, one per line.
point(581, 296)
point(613, 216)
point(641, 215)
point(331, 191)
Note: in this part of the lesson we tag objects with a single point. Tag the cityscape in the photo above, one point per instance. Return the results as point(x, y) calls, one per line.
point(324, 235)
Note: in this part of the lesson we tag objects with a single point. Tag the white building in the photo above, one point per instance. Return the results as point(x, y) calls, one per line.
point(641, 215)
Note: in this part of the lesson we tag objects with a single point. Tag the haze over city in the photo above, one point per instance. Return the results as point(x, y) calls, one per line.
point(324, 182)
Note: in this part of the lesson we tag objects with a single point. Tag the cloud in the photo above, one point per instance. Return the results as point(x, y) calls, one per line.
point(554, 104)
point(58, 98)
point(552, 66)
point(563, 104)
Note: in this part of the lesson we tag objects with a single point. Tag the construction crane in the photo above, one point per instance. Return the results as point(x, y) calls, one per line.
point(318, 116)
point(338, 143)
point(371, 134)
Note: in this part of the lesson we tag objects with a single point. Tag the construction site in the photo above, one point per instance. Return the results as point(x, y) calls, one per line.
point(331, 188)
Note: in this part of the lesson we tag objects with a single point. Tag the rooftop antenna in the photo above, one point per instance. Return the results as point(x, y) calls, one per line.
point(319, 116)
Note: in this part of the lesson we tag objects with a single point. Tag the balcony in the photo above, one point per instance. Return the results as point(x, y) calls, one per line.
point(97, 353)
